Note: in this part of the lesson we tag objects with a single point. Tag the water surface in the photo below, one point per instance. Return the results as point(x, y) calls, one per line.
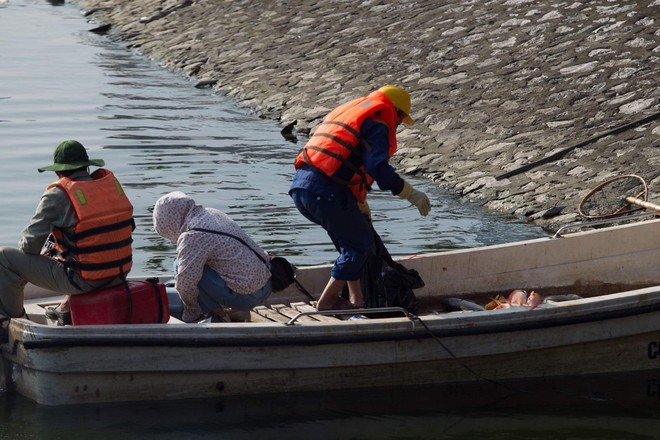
point(158, 133)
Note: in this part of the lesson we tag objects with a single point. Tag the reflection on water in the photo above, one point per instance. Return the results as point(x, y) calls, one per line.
point(157, 133)
point(604, 407)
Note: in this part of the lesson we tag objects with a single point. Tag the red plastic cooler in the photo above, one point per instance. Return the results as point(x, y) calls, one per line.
point(134, 302)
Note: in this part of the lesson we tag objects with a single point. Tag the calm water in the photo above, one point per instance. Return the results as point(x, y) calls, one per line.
point(158, 134)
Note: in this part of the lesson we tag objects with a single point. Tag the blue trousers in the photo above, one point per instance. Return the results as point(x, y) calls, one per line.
point(346, 226)
point(214, 293)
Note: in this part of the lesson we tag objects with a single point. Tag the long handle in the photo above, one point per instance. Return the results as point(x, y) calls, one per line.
point(643, 203)
point(561, 153)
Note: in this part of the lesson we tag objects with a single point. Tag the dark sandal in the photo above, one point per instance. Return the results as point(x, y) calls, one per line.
point(4, 329)
point(62, 318)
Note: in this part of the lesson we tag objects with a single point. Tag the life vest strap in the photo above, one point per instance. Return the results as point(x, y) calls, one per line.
point(101, 229)
point(343, 125)
point(358, 136)
point(91, 267)
point(99, 248)
point(334, 178)
point(346, 163)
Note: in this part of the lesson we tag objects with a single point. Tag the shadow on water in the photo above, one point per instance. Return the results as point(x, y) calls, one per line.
point(597, 407)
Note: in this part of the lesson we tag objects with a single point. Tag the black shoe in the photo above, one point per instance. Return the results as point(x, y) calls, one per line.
point(219, 318)
point(62, 318)
point(4, 329)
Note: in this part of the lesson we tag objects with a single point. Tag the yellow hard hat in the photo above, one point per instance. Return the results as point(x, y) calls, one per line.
point(400, 99)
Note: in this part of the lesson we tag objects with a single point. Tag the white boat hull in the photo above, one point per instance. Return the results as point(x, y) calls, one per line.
point(611, 333)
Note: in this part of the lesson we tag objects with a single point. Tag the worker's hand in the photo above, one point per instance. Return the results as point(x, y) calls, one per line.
point(364, 209)
point(417, 198)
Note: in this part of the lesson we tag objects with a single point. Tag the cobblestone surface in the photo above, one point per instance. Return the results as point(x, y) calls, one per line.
point(495, 85)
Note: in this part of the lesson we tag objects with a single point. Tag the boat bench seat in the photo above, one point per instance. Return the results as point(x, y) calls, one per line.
point(285, 312)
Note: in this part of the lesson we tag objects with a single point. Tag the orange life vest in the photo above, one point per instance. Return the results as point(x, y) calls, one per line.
point(99, 245)
point(337, 142)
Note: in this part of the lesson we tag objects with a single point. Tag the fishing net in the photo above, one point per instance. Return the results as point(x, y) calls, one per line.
point(608, 199)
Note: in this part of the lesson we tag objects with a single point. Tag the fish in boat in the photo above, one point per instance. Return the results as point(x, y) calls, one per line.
point(458, 305)
point(560, 298)
point(534, 299)
point(517, 298)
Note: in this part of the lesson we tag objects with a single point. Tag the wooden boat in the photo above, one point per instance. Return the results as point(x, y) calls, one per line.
point(289, 347)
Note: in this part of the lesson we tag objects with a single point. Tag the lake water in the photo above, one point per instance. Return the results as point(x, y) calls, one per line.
point(158, 133)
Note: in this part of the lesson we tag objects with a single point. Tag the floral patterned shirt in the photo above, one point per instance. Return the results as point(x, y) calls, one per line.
point(175, 215)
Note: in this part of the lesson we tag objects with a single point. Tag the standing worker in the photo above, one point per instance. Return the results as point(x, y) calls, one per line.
point(79, 238)
point(350, 150)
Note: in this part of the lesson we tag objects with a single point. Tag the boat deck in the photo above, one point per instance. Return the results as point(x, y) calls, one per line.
point(271, 313)
point(284, 313)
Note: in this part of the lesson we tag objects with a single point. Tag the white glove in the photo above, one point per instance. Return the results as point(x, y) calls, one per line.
point(417, 198)
point(364, 209)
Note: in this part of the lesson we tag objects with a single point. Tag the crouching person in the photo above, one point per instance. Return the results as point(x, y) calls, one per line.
point(218, 268)
point(79, 238)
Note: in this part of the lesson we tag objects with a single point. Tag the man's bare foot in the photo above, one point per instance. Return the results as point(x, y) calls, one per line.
point(340, 304)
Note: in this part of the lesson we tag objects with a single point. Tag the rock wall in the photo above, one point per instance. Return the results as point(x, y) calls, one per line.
point(568, 89)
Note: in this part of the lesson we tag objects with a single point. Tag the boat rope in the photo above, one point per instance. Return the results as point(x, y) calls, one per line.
point(303, 290)
point(451, 353)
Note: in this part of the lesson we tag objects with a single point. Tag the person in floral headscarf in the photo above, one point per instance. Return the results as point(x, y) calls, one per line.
point(214, 272)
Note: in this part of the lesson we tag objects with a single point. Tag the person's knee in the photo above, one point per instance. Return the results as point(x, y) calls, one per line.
point(348, 265)
point(8, 255)
point(10, 283)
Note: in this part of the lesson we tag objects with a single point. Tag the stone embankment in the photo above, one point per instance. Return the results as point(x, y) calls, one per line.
point(520, 105)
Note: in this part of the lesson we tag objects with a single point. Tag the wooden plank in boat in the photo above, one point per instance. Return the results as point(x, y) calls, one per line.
point(272, 315)
point(256, 317)
point(290, 312)
point(304, 307)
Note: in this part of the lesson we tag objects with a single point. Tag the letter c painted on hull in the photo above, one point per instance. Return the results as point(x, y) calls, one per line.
point(653, 350)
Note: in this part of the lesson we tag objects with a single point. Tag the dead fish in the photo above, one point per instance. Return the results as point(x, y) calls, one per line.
point(517, 297)
point(534, 300)
point(205, 83)
point(560, 298)
point(101, 30)
point(463, 305)
point(288, 132)
point(496, 302)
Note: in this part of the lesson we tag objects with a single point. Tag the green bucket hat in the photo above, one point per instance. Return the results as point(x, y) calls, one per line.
point(70, 155)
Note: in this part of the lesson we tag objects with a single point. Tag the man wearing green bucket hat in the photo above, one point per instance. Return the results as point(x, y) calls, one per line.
point(78, 240)
point(71, 155)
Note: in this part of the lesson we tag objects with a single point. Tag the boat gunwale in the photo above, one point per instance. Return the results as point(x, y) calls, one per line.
point(514, 319)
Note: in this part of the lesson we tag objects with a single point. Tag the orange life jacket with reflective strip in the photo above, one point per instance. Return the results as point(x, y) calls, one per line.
point(99, 245)
point(337, 142)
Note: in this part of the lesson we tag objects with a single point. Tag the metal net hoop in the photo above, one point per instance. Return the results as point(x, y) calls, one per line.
point(608, 199)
